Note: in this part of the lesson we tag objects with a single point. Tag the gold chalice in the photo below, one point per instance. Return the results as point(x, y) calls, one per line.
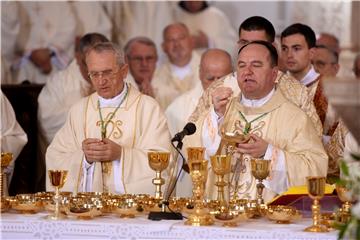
point(158, 162)
point(6, 158)
point(344, 213)
point(57, 179)
point(195, 154)
point(260, 169)
point(200, 215)
point(230, 139)
point(316, 189)
point(221, 166)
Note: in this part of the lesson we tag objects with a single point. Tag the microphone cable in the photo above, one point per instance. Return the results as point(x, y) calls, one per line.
point(166, 202)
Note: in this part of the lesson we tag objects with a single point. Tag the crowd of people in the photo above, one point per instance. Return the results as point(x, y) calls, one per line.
point(111, 95)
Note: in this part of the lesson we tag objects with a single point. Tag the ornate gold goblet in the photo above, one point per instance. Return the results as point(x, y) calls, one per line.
point(260, 169)
point(316, 189)
point(6, 158)
point(195, 154)
point(344, 213)
point(230, 139)
point(221, 166)
point(200, 215)
point(57, 179)
point(158, 162)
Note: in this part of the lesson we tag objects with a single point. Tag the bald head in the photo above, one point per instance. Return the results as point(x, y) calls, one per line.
point(177, 44)
point(214, 64)
point(330, 41)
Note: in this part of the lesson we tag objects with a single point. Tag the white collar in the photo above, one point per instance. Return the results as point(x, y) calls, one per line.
point(256, 102)
point(113, 102)
point(310, 77)
point(180, 72)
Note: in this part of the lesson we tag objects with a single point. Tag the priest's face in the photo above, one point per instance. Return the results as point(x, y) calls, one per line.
point(177, 44)
point(142, 61)
point(105, 73)
point(324, 62)
point(296, 54)
point(255, 73)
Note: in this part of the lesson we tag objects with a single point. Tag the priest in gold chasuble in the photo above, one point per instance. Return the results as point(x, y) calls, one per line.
point(279, 131)
point(107, 135)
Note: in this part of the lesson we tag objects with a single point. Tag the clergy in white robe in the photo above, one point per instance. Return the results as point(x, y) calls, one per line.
point(91, 17)
point(64, 89)
point(208, 25)
point(139, 18)
point(141, 56)
point(106, 138)
point(45, 43)
point(215, 63)
point(10, 27)
point(279, 131)
point(181, 72)
point(297, 50)
point(13, 137)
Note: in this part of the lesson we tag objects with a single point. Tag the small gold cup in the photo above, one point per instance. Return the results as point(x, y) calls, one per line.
point(57, 179)
point(158, 162)
point(344, 213)
point(260, 169)
point(316, 189)
point(221, 165)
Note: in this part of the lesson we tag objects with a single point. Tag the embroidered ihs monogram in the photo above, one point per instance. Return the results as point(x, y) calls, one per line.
point(113, 128)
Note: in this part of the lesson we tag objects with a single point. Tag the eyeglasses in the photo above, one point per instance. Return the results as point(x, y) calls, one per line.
point(140, 59)
point(103, 74)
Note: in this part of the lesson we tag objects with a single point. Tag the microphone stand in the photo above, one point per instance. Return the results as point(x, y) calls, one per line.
point(157, 216)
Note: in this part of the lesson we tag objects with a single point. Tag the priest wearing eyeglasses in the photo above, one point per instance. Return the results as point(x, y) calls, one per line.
point(107, 135)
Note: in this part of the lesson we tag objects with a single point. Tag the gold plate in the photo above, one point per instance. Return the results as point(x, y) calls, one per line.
point(283, 214)
point(27, 208)
point(85, 212)
point(26, 203)
point(231, 220)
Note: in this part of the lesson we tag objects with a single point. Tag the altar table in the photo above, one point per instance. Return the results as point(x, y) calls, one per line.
point(20, 226)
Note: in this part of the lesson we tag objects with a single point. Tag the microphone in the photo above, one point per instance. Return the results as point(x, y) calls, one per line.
point(189, 129)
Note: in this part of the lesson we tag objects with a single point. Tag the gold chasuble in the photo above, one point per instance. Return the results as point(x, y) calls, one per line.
point(283, 125)
point(138, 126)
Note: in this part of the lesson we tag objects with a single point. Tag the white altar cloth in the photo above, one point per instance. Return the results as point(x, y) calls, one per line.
point(16, 226)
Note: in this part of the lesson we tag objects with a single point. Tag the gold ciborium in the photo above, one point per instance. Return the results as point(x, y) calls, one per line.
point(6, 158)
point(344, 213)
point(158, 162)
point(221, 166)
point(57, 179)
point(260, 170)
point(200, 216)
point(230, 139)
point(316, 189)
